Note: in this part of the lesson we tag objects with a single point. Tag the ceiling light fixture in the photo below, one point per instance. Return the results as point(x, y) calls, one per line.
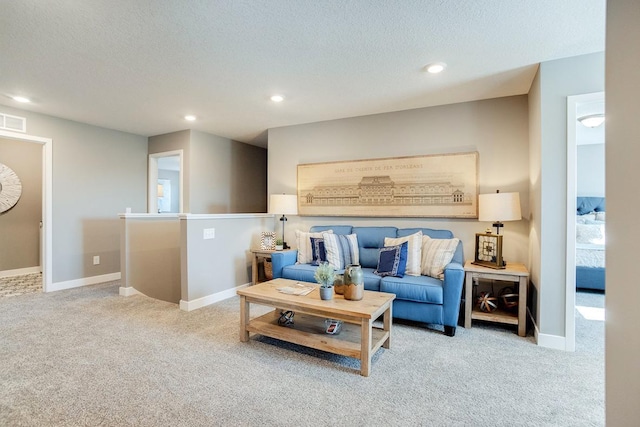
point(592, 120)
point(435, 68)
point(277, 98)
point(21, 99)
point(190, 118)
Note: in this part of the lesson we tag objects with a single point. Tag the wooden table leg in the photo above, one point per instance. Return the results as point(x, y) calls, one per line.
point(468, 304)
point(254, 270)
point(244, 319)
point(522, 307)
point(386, 319)
point(365, 347)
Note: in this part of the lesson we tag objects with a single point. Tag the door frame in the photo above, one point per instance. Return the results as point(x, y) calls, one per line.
point(47, 202)
point(572, 192)
point(152, 192)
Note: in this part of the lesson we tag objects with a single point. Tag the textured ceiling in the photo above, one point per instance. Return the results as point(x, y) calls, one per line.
point(140, 66)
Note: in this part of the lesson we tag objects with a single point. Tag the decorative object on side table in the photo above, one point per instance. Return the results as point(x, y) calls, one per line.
point(285, 204)
point(279, 245)
point(268, 240)
point(353, 282)
point(496, 207)
point(487, 303)
point(508, 299)
point(325, 275)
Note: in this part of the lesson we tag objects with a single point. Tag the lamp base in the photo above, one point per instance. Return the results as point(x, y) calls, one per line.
point(285, 246)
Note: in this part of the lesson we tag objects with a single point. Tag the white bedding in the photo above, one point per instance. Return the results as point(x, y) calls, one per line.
point(589, 255)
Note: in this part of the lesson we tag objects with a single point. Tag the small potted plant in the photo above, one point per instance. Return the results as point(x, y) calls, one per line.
point(325, 275)
point(279, 244)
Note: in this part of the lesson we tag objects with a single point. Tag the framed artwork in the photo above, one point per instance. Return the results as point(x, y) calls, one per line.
point(440, 186)
point(268, 240)
point(488, 251)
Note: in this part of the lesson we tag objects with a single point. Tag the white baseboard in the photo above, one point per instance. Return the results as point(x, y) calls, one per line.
point(210, 299)
point(85, 281)
point(20, 271)
point(129, 291)
point(551, 341)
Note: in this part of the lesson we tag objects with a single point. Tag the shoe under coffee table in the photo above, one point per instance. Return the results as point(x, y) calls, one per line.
point(359, 338)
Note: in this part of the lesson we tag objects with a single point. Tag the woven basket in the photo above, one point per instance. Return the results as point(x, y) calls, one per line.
point(268, 269)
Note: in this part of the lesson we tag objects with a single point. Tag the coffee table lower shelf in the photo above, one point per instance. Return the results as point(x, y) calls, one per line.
point(309, 331)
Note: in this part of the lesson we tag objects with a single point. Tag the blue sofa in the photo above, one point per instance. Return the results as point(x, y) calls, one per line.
point(418, 298)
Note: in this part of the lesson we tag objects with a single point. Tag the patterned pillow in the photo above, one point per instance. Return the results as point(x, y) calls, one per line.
point(392, 260)
point(342, 250)
point(414, 254)
point(318, 252)
point(303, 240)
point(436, 254)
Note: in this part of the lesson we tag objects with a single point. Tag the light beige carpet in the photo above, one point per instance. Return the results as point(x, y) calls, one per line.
point(88, 357)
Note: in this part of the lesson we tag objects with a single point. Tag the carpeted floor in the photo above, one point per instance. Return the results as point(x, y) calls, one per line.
point(87, 357)
point(20, 285)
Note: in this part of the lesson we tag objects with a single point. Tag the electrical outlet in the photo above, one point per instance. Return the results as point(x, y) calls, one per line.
point(96, 260)
point(209, 233)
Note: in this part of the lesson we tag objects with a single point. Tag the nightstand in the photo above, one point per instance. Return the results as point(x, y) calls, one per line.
point(261, 253)
point(513, 272)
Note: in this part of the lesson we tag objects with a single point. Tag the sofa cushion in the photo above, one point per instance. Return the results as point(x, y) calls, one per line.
point(392, 260)
point(318, 252)
point(303, 240)
point(337, 229)
point(435, 234)
point(414, 251)
point(436, 254)
point(414, 288)
point(341, 250)
point(305, 273)
point(370, 240)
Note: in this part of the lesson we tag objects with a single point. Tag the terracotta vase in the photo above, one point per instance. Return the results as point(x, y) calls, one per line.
point(338, 285)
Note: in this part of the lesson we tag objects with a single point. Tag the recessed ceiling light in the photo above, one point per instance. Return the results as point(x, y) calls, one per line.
point(435, 68)
point(277, 98)
point(190, 118)
point(21, 99)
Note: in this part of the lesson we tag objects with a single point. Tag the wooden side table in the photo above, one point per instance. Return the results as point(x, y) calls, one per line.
point(514, 272)
point(260, 253)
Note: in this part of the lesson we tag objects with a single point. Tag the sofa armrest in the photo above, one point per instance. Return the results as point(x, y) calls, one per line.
point(279, 260)
point(452, 293)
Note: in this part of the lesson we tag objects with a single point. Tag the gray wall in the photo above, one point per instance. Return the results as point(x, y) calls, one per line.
point(97, 173)
point(496, 128)
point(20, 226)
point(591, 170)
point(622, 344)
point(248, 178)
point(555, 81)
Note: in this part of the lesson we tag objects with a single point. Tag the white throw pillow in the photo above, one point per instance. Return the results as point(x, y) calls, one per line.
point(414, 251)
point(303, 240)
point(436, 254)
point(342, 250)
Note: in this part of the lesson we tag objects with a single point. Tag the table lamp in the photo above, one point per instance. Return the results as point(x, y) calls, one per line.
point(495, 207)
point(285, 204)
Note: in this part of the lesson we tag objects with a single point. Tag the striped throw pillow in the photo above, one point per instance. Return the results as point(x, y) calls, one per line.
point(414, 254)
point(436, 254)
point(342, 250)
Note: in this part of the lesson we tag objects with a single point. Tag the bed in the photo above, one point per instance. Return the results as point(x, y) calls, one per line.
point(590, 240)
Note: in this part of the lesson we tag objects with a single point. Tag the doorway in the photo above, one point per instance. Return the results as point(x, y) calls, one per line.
point(47, 202)
point(582, 143)
point(166, 182)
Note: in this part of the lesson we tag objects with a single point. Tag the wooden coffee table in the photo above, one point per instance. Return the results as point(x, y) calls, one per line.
point(358, 337)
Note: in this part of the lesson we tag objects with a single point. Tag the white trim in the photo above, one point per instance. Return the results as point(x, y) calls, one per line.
point(148, 216)
point(555, 342)
point(129, 291)
point(20, 271)
point(572, 192)
point(85, 281)
point(210, 299)
point(225, 216)
point(47, 202)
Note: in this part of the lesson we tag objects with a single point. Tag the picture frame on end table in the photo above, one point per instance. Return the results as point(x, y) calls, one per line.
point(268, 240)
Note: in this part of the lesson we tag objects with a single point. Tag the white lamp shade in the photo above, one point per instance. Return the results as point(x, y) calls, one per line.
point(283, 204)
point(499, 207)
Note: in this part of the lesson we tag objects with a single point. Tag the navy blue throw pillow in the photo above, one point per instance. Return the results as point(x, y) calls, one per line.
point(392, 260)
point(318, 252)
